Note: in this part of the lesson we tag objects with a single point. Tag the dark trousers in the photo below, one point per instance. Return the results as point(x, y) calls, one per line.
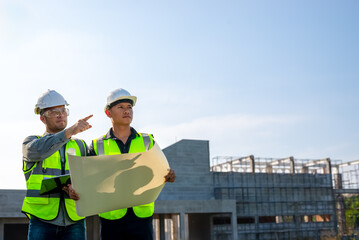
point(39, 230)
point(129, 227)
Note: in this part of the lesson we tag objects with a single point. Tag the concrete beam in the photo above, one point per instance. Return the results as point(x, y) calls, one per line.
point(355, 162)
point(195, 206)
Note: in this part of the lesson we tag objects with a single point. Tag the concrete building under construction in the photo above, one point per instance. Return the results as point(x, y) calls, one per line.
point(237, 198)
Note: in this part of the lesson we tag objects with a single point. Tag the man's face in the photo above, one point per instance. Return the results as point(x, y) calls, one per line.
point(55, 118)
point(121, 113)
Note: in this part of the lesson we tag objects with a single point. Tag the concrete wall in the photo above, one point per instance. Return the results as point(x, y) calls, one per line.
point(270, 198)
point(190, 160)
point(11, 203)
point(260, 194)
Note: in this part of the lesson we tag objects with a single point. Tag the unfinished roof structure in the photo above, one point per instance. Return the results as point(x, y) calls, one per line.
point(288, 198)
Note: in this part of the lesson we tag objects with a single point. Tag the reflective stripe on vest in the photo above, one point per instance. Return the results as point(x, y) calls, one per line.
point(141, 143)
point(47, 206)
point(101, 148)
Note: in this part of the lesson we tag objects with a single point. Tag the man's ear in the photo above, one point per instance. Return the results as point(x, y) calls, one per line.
point(43, 119)
point(107, 113)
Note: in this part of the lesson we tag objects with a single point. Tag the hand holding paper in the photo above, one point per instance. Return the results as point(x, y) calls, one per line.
point(71, 192)
point(171, 176)
point(110, 182)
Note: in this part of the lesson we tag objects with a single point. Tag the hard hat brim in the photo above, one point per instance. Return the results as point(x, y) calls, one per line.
point(37, 110)
point(132, 98)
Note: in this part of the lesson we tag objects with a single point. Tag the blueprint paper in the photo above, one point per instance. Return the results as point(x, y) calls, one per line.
point(106, 183)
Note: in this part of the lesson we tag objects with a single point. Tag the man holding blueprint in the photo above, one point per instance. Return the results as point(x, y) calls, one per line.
point(133, 222)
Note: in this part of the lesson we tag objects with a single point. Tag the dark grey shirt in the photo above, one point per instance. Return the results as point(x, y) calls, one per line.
point(36, 149)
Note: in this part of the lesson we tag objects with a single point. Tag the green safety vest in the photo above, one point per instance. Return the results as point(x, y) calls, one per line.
point(141, 143)
point(47, 206)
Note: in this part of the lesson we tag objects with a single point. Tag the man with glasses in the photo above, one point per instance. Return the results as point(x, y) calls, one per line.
point(52, 216)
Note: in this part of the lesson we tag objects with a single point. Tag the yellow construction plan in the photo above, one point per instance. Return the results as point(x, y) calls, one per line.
point(106, 183)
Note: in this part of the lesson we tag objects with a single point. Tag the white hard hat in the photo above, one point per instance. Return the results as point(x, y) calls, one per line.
point(119, 94)
point(50, 98)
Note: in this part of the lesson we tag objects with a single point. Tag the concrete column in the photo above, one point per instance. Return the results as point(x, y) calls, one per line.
point(269, 169)
point(184, 235)
point(1, 229)
point(328, 166)
point(253, 165)
point(341, 214)
point(162, 226)
point(234, 225)
point(93, 228)
point(292, 165)
point(338, 181)
point(175, 226)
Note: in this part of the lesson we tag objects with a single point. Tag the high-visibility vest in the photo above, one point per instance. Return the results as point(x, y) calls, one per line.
point(47, 206)
point(141, 143)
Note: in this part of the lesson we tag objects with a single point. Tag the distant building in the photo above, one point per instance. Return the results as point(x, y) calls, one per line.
point(232, 198)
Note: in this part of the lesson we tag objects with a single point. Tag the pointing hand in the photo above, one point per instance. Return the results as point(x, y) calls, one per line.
point(80, 126)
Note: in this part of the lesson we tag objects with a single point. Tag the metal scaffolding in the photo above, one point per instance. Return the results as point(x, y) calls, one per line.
point(288, 198)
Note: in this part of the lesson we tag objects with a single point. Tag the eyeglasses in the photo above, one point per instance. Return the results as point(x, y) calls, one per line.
point(55, 112)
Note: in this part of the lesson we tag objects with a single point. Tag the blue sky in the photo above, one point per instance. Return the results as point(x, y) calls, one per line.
point(268, 78)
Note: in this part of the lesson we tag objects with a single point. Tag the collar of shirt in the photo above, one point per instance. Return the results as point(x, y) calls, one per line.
point(110, 135)
point(124, 147)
